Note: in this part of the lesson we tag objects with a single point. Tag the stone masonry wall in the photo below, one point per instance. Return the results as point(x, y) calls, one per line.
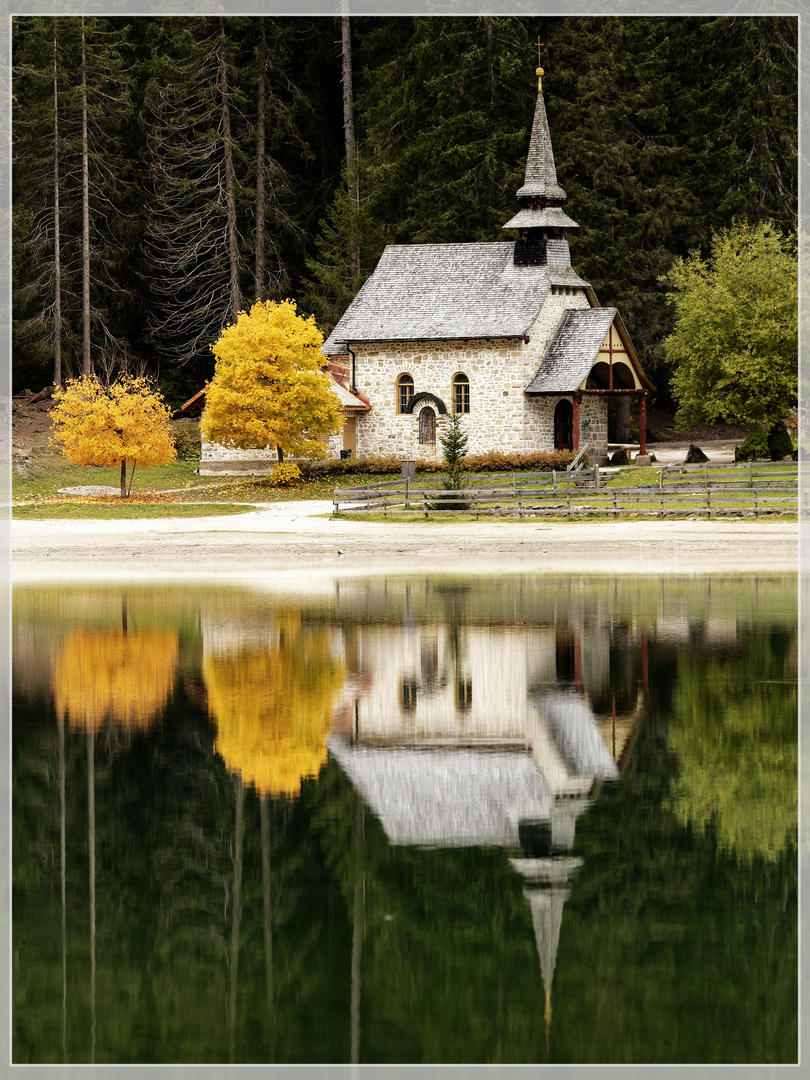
point(501, 417)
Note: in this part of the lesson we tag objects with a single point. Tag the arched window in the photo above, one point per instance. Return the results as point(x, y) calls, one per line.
point(404, 391)
point(461, 393)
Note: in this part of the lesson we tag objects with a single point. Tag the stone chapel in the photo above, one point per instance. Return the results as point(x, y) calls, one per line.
point(505, 333)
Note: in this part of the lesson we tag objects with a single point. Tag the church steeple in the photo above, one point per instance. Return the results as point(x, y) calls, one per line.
point(541, 172)
point(540, 198)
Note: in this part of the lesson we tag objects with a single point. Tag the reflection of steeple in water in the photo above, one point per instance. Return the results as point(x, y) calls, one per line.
point(546, 887)
point(511, 757)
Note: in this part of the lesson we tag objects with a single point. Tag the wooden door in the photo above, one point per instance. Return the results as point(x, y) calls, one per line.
point(350, 435)
point(564, 426)
point(427, 426)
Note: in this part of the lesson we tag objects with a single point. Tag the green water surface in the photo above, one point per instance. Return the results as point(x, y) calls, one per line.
point(255, 827)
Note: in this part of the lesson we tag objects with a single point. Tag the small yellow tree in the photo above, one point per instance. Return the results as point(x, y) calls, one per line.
point(111, 425)
point(269, 387)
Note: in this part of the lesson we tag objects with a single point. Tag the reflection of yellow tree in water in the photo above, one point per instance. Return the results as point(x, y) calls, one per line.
point(273, 706)
point(115, 674)
point(737, 747)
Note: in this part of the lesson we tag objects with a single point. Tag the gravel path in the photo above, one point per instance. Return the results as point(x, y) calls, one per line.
point(297, 540)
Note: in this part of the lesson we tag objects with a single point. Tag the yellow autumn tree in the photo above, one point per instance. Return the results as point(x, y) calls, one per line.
point(269, 386)
point(124, 677)
point(273, 709)
point(111, 425)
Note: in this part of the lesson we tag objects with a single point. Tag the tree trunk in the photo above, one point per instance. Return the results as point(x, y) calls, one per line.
point(267, 882)
point(91, 846)
point(358, 927)
point(623, 418)
point(260, 273)
point(239, 829)
point(57, 255)
point(230, 196)
point(488, 131)
point(87, 366)
point(351, 149)
point(124, 478)
point(60, 719)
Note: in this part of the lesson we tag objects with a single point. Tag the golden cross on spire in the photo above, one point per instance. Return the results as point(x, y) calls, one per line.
point(540, 73)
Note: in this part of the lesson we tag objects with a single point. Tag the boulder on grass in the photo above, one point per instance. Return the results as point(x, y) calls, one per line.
point(694, 456)
point(620, 458)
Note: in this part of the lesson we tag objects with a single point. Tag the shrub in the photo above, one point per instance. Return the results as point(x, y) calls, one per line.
point(493, 461)
point(359, 466)
point(780, 443)
point(499, 461)
point(755, 447)
point(285, 474)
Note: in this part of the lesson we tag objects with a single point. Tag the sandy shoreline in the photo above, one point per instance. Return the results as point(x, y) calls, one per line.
point(292, 540)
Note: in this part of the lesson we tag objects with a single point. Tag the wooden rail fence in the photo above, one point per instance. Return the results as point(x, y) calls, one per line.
point(710, 490)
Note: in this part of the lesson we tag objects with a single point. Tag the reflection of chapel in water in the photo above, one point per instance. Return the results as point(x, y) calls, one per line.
point(457, 733)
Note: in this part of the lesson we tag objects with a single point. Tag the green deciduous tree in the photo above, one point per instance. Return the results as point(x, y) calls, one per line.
point(735, 343)
point(269, 387)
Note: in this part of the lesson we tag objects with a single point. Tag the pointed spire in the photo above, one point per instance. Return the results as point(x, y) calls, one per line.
point(540, 216)
point(541, 173)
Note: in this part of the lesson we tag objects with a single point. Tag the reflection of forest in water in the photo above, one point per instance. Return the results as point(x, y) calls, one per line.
point(426, 821)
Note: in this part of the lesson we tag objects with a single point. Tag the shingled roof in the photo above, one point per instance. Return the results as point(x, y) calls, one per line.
point(451, 797)
point(440, 292)
point(541, 173)
point(572, 351)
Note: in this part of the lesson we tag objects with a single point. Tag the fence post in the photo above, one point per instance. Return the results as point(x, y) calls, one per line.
point(554, 479)
point(596, 477)
point(708, 502)
point(661, 478)
point(407, 493)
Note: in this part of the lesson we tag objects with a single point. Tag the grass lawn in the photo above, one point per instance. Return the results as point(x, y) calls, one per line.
point(174, 484)
point(103, 510)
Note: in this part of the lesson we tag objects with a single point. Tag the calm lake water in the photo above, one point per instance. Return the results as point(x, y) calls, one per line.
point(427, 820)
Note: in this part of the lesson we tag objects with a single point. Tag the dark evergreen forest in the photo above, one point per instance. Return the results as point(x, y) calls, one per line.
point(168, 171)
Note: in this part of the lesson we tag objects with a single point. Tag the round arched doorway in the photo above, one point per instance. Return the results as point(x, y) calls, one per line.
point(564, 426)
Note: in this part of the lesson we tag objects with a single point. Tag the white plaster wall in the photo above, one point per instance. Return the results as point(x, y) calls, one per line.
point(500, 665)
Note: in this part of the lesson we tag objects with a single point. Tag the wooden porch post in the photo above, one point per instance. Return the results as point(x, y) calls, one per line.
point(642, 424)
point(575, 422)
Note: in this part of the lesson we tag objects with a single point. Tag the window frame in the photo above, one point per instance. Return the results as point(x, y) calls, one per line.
point(404, 379)
point(461, 389)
